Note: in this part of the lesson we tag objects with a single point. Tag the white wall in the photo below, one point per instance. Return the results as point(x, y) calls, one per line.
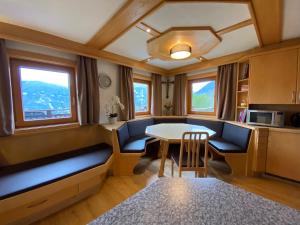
point(106, 95)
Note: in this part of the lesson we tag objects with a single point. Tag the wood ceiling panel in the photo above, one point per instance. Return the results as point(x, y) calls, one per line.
point(75, 20)
point(268, 15)
point(130, 14)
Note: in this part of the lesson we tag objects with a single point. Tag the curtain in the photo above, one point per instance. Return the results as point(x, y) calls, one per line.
point(126, 92)
point(179, 95)
point(88, 91)
point(6, 103)
point(226, 97)
point(156, 95)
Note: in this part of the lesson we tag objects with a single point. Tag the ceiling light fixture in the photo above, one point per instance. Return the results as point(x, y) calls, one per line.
point(180, 51)
point(148, 30)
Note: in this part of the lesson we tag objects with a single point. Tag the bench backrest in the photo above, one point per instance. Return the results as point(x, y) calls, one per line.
point(169, 120)
point(236, 135)
point(138, 127)
point(123, 134)
point(216, 126)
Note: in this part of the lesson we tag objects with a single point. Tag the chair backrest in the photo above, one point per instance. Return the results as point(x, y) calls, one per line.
point(190, 143)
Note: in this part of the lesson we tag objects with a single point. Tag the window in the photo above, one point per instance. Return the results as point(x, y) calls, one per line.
point(142, 96)
point(201, 96)
point(43, 94)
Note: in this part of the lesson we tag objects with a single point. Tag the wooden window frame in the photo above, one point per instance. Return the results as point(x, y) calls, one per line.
point(15, 63)
point(149, 83)
point(201, 78)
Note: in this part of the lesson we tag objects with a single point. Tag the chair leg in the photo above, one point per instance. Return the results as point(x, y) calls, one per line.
point(179, 171)
point(196, 174)
point(172, 169)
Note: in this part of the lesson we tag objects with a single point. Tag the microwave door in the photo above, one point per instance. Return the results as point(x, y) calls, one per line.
point(261, 118)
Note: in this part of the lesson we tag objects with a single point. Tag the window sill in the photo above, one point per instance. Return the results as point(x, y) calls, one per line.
point(43, 129)
point(199, 116)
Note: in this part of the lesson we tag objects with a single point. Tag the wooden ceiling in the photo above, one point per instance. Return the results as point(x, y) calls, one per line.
point(266, 16)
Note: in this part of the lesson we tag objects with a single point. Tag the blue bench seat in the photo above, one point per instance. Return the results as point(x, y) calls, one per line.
point(27, 176)
point(234, 139)
point(136, 144)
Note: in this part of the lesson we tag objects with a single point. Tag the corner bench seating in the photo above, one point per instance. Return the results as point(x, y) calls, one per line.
point(37, 185)
point(231, 142)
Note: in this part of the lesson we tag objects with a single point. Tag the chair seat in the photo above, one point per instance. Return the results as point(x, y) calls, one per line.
point(224, 146)
point(136, 144)
point(175, 156)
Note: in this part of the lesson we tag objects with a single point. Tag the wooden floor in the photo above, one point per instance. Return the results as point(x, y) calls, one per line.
point(117, 189)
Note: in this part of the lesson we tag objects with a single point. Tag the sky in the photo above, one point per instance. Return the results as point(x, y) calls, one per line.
point(57, 78)
point(199, 85)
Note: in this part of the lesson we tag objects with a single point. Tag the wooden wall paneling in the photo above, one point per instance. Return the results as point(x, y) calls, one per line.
point(131, 13)
point(260, 151)
point(26, 35)
point(268, 14)
point(273, 78)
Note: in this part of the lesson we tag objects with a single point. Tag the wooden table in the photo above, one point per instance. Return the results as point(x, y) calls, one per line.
point(171, 133)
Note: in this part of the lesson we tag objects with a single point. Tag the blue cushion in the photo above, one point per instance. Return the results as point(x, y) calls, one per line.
point(216, 126)
point(138, 127)
point(222, 145)
point(236, 135)
point(123, 134)
point(135, 144)
point(169, 120)
point(27, 176)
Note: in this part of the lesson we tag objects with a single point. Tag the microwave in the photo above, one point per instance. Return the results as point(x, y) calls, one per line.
point(265, 118)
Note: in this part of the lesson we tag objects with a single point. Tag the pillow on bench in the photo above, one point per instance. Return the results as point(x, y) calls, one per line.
point(27, 176)
point(234, 139)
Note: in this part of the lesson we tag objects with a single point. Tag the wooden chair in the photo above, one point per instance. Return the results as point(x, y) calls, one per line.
point(189, 158)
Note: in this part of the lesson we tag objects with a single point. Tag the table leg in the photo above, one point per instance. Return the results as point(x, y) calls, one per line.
point(165, 148)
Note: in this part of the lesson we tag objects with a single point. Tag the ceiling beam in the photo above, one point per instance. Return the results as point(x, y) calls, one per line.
point(268, 14)
point(148, 29)
point(284, 45)
point(26, 35)
point(234, 27)
point(130, 14)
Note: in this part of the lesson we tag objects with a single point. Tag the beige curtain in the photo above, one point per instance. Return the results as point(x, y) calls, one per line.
point(88, 91)
point(156, 102)
point(6, 104)
point(226, 84)
point(126, 92)
point(179, 95)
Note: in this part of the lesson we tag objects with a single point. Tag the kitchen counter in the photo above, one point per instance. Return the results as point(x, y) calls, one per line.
point(197, 201)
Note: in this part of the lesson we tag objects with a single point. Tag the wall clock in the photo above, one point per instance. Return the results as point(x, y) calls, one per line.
point(104, 80)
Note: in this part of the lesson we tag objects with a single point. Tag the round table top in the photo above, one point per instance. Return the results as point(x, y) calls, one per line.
point(172, 132)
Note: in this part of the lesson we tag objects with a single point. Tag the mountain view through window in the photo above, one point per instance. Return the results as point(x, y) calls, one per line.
point(45, 94)
point(141, 92)
point(203, 96)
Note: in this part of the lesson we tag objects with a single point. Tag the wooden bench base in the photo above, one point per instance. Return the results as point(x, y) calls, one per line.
point(125, 162)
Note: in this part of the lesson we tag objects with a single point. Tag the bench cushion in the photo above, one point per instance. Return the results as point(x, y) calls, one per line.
point(138, 127)
point(216, 126)
point(236, 135)
point(223, 146)
point(30, 175)
point(123, 134)
point(169, 120)
point(136, 144)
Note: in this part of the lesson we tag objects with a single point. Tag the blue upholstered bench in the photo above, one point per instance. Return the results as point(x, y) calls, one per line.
point(27, 176)
point(131, 136)
point(234, 139)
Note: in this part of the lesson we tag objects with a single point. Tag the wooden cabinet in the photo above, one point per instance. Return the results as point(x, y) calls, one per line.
point(273, 78)
point(283, 154)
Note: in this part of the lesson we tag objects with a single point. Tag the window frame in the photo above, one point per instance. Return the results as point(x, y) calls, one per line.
point(15, 64)
point(201, 78)
point(149, 83)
